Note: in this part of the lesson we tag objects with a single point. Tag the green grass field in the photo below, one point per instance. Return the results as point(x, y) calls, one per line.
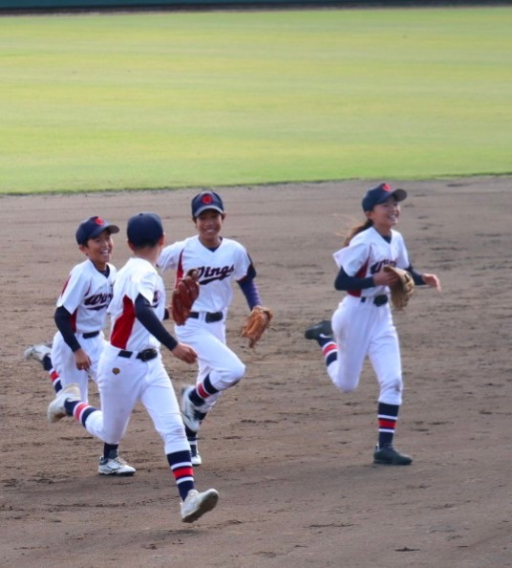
point(152, 100)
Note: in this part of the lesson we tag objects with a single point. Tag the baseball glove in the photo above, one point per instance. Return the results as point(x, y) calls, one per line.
point(403, 289)
point(183, 297)
point(256, 323)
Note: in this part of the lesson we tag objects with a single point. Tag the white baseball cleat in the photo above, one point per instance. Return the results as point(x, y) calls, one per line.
point(56, 410)
point(191, 416)
point(196, 459)
point(37, 352)
point(197, 504)
point(114, 466)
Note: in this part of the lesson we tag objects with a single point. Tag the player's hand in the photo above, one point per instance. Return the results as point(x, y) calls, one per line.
point(384, 278)
point(184, 353)
point(433, 281)
point(82, 360)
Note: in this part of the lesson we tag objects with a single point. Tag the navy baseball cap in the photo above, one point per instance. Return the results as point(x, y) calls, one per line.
point(206, 200)
point(380, 194)
point(144, 229)
point(91, 228)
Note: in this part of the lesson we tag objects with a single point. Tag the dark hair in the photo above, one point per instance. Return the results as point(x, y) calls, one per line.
point(356, 230)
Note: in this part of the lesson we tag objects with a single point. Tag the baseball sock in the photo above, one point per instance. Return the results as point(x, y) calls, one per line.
point(181, 467)
point(329, 349)
point(201, 392)
point(79, 410)
point(110, 451)
point(387, 417)
point(55, 379)
point(192, 439)
point(47, 363)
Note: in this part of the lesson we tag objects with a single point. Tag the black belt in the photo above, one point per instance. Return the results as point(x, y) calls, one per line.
point(210, 317)
point(145, 355)
point(90, 334)
point(378, 300)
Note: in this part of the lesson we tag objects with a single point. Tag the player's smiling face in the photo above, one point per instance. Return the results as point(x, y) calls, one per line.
point(99, 249)
point(385, 216)
point(208, 225)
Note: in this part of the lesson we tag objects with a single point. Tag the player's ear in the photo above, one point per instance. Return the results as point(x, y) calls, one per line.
point(131, 246)
point(84, 249)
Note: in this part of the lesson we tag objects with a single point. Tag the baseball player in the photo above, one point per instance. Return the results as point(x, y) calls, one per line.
point(80, 317)
point(362, 325)
point(219, 261)
point(131, 367)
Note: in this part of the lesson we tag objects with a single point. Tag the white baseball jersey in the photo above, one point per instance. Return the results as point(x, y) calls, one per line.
point(138, 276)
point(217, 269)
point(367, 253)
point(125, 381)
point(86, 296)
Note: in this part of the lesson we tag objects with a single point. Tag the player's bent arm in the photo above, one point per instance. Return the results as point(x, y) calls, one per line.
point(250, 291)
point(147, 317)
point(62, 320)
point(424, 279)
point(416, 276)
point(433, 281)
point(344, 282)
point(82, 360)
point(184, 353)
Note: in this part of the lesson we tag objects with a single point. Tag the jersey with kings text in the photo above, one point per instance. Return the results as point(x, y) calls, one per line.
point(367, 253)
point(86, 295)
point(217, 269)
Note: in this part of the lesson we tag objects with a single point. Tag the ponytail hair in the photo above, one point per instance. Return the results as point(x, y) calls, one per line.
point(355, 230)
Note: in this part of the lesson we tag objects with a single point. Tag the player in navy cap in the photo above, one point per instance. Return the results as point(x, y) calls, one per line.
point(220, 262)
point(362, 325)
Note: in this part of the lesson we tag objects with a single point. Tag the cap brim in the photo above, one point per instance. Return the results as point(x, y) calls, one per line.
point(399, 194)
point(208, 208)
point(107, 227)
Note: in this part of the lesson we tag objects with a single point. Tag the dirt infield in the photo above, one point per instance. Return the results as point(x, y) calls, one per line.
point(290, 455)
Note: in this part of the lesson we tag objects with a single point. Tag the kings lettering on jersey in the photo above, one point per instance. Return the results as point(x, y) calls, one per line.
point(377, 267)
point(97, 301)
point(209, 274)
